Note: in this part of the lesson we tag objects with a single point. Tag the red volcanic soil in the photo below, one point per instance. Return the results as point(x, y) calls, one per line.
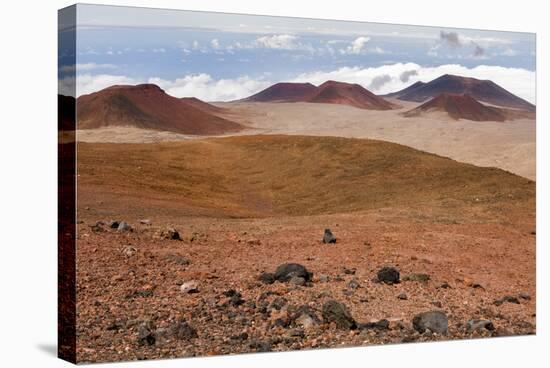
point(481, 90)
point(349, 94)
point(66, 112)
point(460, 107)
point(147, 106)
point(461, 236)
point(284, 92)
point(329, 92)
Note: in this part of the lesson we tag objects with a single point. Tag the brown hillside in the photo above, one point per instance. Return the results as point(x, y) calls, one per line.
point(482, 90)
point(349, 94)
point(460, 107)
point(331, 92)
point(258, 176)
point(284, 92)
point(147, 106)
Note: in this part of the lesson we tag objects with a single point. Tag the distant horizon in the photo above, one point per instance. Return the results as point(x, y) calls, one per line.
point(223, 57)
point(282, 82)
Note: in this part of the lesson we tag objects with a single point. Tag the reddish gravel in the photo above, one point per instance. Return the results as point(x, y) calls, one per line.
point(117, 293)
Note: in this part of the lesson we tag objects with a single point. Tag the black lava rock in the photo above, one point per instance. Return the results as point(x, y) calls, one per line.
point(388, 275)
point(334, 311)
point(286, 271)
point(328, 238)
point(267, 278)
point(434, 321)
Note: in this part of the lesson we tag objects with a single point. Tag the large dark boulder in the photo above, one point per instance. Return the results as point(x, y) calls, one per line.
point(388, 275)
point(334, 311)
point(434, 321)
point(286, 271)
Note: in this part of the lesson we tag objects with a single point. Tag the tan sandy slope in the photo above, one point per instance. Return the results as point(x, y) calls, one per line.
point(506, 145)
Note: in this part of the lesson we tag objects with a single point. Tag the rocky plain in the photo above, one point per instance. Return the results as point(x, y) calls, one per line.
point(291, 260)
point(303, 217)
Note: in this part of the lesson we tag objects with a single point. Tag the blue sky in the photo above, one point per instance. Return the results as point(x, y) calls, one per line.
point(216, 56)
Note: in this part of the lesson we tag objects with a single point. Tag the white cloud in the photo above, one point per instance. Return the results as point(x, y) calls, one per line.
point(160, 50)
point(378, 50)
point(215, 43)
point(508, 52)
point(381, 80)
point(204, 87)
point(282, 42)
point(87, 83)
point(356, 46)
point(520, 82)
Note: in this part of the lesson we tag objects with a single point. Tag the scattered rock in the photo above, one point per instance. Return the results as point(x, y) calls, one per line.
point(231, 292)
point(328, 238)
point(98, 227)
point(267, 278)
point(113, 224)
point(388, 275)
point(260, 346)
point(349, 271)
point(305, 321)
point(123, 226)
point(445, 285)
point(434, 321)
point(353, 284)
point(278, 303)
point(296, 280)
point(506, 299)
point(479, 324)
point(337, 313)
point(402, 296)
point(145, 222)
point(236, 300)
point(437, 304)
point(170, 234)
point(254, 242)
point(129, 251)
point(471, 283)
point(305, 317)
point(524, 296)
point(190, 287)
point(196, 236)
point(286, 271)
point(179, 330)
point(420, 277)
point(146, 335)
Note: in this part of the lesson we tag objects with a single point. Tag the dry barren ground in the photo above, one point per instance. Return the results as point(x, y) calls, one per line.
point(462, 234)
point(506, 145)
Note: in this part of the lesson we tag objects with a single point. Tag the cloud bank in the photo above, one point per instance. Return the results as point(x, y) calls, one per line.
point(380, 80)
